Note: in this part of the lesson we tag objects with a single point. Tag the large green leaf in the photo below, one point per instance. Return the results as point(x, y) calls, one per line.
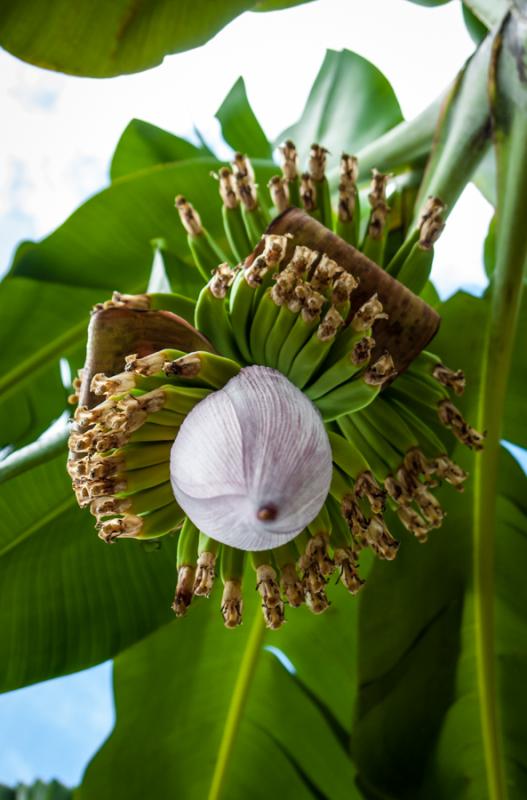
point(23, 416)
point(41, 321)
point(239, 125)
point(277, 5)
point(226, 718)
point(99, 39)
point(351, 104)
point(419, 690)
point(419, 672)
point(67, 601)
point(143, 145)
point(106, 242)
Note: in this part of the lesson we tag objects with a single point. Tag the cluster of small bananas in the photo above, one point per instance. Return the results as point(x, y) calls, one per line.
point(290, 312)
point(246, 214)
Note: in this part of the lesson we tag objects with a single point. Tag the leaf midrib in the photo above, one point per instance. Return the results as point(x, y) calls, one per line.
point(40, 359)
point(236, 707)
point(26, 370)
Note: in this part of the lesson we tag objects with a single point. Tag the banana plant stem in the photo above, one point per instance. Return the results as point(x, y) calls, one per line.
point(238, 700)
point(511, 259)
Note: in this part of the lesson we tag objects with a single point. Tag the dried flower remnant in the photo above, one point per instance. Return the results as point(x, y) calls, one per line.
point(379, 207)
point(308, 192)
point(431, 223)
point(279, 191)
point(289, 161)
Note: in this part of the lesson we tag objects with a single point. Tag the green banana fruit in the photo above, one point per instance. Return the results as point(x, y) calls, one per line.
point(345, 368)
point(312, 355)
point(262, 324)
point(350, 397)
point(213, 320)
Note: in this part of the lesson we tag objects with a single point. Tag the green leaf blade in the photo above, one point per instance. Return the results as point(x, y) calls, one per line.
point(67, 600)
point(339, 113)
point(240, 128)
point(197, 667)
point(143, 145)
point(100, 40)
point(418, 673)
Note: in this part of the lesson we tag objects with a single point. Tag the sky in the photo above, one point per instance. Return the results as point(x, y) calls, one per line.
point(55, 153)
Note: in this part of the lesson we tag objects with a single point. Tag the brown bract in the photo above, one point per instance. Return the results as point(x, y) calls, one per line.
point(411, 323)
point(114, 333)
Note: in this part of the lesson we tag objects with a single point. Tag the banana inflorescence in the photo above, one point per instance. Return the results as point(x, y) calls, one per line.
point(290, 307)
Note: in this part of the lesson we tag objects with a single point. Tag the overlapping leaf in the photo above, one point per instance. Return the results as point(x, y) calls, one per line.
point(293, 729)
point(277, 5)
point(239, 125)
point(66, 600)
point(430, 3)
point(41, 322)
point(100, 39)
point(418, 682)
point(468, 313)
point(143, 145)
point(106, 242)
point(418, 673)
point(351, 104)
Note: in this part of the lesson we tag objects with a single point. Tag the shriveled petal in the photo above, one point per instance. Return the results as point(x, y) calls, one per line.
point(251, 465)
